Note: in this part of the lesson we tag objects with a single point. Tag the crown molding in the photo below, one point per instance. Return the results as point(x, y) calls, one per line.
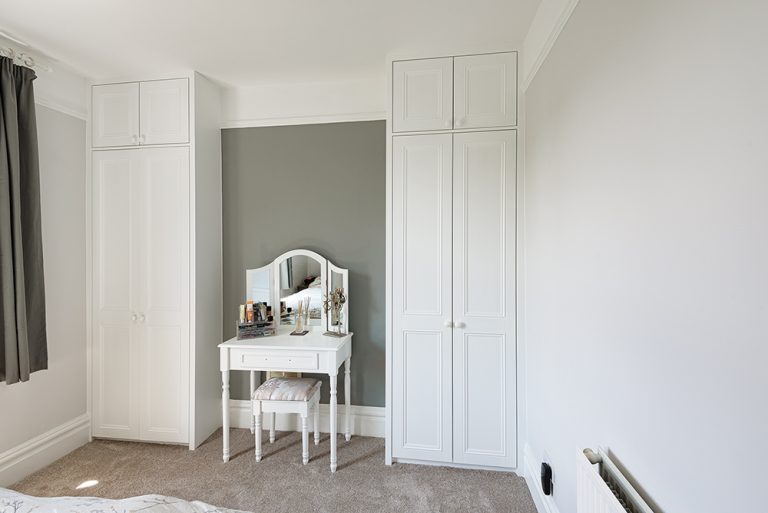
point(548, 23)
point(305, 120)
point(61, 107)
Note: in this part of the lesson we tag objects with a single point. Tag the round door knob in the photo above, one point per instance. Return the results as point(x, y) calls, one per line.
point(447, 124)
point(142, 318)
point(142, 138)
point(460, 122)
point(449, 324)
point(134, 317)
point(134, 139)
point(460, 325)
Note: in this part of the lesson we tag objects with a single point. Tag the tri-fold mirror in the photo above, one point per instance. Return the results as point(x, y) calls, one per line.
point(300, 276)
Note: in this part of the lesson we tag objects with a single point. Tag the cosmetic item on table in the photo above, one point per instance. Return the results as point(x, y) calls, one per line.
point(255, 321)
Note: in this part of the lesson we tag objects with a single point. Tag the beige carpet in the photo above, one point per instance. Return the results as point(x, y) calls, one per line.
point(280, 483)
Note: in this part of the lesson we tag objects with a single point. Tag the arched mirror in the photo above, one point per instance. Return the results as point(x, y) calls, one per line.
point(301, 277)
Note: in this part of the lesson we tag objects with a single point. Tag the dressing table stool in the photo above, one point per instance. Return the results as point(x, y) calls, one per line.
point(287, 395)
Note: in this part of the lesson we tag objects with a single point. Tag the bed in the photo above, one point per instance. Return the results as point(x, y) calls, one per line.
point(14, 502)
point(314, 293)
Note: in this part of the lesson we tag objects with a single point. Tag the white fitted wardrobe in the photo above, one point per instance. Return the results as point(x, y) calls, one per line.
point(156, 259)
point(452, 231)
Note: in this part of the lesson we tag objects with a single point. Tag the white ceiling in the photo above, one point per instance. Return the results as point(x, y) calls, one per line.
point(252, 42)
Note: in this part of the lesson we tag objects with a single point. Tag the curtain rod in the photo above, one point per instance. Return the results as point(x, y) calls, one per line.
point(21, 57)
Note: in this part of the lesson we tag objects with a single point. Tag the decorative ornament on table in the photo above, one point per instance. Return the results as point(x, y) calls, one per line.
point(333, 304)
point(302, 318)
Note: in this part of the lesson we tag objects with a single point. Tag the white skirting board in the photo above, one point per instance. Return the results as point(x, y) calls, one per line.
point(365, 420)
point(34, 454)
point(544, 503)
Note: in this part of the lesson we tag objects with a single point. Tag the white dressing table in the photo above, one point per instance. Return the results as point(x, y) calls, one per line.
point(312, 353)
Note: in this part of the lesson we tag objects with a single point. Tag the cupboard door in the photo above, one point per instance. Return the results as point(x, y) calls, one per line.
point(421, 299)
point(116, 187)
point(164, 299)
point(484, 301)
point(422, 95)
point(115, 115)
point(485, 90)
point(165, 111)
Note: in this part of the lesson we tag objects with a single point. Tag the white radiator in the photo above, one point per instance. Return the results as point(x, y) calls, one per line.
point(601, 487)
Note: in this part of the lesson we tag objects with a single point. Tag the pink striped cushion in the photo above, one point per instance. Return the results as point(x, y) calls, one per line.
point(286, 389)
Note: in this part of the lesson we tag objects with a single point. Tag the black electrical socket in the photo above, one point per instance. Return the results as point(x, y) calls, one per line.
point(546, 478)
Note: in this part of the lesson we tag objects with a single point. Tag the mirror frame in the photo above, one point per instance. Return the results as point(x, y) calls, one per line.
point(269, 269)
point(332, 268)
point(323, 279)
point(326, 268)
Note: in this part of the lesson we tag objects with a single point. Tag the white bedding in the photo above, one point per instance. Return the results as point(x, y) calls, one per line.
point(14, 502)
point(315, 295)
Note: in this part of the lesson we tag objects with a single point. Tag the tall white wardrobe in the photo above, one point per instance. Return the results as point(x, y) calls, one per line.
point(452, 231)
point(155, 264)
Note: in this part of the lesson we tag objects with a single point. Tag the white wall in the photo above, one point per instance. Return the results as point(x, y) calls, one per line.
point(55, 398)
point(58, 395)
point(647, 249)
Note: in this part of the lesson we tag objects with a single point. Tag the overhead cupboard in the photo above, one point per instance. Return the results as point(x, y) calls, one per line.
point(452, 353)
point(470, 91)
point(140, 113)
point(155, 265)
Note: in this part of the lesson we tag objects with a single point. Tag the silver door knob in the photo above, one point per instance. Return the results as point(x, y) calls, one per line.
point(142, 317)
point(447, 124)
point(449, 324)
point(460, 122)
point(134, 317)
point(460, 325)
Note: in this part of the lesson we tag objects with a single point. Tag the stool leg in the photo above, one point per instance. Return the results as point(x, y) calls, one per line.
point(272, 429)
point(253, 389)
point(257, 434)
point(317, 423)
point(304, 440)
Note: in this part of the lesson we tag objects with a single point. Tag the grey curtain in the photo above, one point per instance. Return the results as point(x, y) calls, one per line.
point(23, 341)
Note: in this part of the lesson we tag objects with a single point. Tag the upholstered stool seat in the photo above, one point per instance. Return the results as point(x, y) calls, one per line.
point(287, 395)
point(286, 389)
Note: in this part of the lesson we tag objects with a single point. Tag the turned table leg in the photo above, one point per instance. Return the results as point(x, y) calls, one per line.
point(347, 396)
point(225, 413)
point(333, 422)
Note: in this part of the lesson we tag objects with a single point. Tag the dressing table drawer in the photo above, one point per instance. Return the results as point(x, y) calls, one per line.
point(265, 360)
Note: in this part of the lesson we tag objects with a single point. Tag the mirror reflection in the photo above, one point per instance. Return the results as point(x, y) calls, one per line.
point(337, 282)
point(257, 285)
point(300, 280)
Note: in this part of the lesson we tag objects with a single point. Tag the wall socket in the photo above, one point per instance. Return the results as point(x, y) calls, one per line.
point(547, 484)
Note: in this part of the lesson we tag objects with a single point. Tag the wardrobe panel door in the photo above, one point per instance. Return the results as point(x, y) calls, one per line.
point(422, 95)
point(421, 299)
point(484, 346)
point(116, 183)
point(115, 114)
point(485, 90)
point(165, 296)
point(165, 111)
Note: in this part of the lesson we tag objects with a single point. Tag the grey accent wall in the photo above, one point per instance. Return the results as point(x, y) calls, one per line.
point(317, 187)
